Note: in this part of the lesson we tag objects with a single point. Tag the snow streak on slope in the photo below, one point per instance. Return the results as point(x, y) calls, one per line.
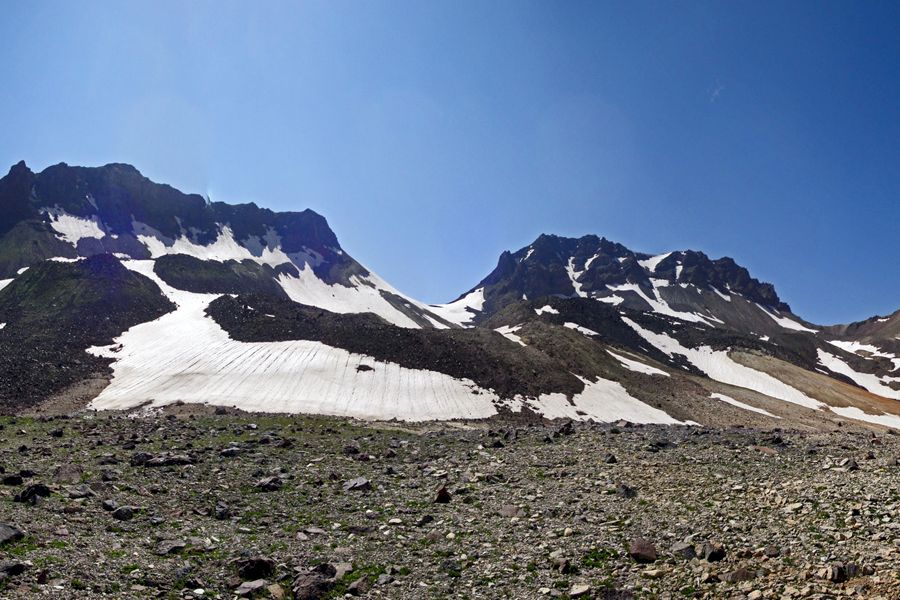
point(5, 282)
point(852, 412)
point(510, 333)
point(574, 275)
point(72, 228)
point(224, 248)
point(636, 366)
point(719, 366)
point(602, 400)
point(651, 263)
point(658, 305)
point(461, 311)
point(185, 355)
point(739, 404)
point(867, 381)
point(580, 329)
point(787, 323)
point(363, 295)
point(872, 351)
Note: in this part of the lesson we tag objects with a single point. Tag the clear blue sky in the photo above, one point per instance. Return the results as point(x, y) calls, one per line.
point(434, 135)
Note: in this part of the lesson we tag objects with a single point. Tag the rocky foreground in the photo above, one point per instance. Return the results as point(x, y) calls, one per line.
point(203, 505)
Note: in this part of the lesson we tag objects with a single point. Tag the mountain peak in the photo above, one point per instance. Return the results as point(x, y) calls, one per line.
point(685, 284)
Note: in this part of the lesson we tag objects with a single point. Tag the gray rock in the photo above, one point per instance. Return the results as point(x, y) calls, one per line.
point(358, 484)
point(642, 551)
point(170, 547)
point(10, 533)
point(247, 588)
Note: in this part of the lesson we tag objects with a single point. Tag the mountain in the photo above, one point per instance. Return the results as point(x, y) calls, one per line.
point(120, 293)
point(71, 212)
point(687, 285)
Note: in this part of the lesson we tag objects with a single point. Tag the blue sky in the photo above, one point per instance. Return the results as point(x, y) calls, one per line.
point(434, 135)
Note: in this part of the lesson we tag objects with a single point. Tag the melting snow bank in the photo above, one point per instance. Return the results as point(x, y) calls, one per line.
point(72, 228)
point(719, 366)
point(510, 333)
point(636, 366)
point(852, 412)
point(865, 380)
point(602, 400)
point(787, 323)
point(364, 295)
point(739, 404)
point(460, 311)
point(186, 356)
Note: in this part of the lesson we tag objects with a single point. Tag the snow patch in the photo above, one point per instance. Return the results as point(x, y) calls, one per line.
point(637, 366)
point(573, 276)
point(852, 412)
point(5, 282)
point(724, 297)
point(787, 323)
point(602, 400)
point(651, 263)
point(72, 228)
point(510, 333)
point(874, 351)
point(657, 304)
point(363, 295)
point(461, 311)
point(580, 329)
point(719, 366)
point(615, 299)
point(546, 309)
point(224, 248)
point(184, 355)
point(739, 404)
point(867, 381)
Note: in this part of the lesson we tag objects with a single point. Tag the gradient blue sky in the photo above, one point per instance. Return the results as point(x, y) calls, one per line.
point(434, 135)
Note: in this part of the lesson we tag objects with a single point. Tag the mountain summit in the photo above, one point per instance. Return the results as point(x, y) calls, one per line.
point(73, 212)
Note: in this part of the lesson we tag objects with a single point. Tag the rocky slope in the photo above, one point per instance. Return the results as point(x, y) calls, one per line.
point(54, 311)
point(204, 505)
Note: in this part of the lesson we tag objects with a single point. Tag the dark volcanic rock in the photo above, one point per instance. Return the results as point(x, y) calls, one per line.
point(33, 493)
point(10, 533)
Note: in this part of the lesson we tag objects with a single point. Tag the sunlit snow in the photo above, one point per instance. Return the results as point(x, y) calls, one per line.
point(601, 400)
point(224, 248)
point(510, 333)
point(787, 323)
point(185, 355)
point(651, 263)
point(580, 329)
point(720, 367)
point(739, 404)
point(363, 295)
point(461, 311)
point(72, 228)
point(637, 366)
point(868, 381)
